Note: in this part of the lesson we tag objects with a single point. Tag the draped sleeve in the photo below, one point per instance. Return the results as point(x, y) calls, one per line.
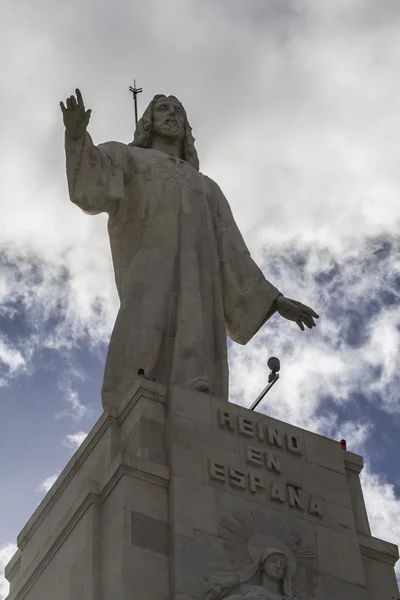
point(95, 174)
point(248, 297)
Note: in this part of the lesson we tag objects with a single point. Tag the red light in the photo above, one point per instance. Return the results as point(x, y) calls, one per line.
point(343, 444)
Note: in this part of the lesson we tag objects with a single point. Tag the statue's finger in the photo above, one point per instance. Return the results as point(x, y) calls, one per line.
point(300, 324)
point(73, 101)
point(308, 319)
point(63, 108)
point(69, 104)
point(86, 118)
point(309, 311)
point(80, 99)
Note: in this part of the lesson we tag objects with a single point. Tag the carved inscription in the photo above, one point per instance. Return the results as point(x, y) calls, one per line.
point(261, 458)
point(266, 461)
point(260, 431)
point(275, 490)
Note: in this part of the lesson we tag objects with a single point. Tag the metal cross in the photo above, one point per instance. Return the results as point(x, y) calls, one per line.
point(135, 91)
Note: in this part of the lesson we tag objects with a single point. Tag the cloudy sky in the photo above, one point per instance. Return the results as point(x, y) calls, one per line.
point(295, 106)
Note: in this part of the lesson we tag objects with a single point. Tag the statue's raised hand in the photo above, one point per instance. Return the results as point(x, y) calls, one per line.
point(296, 311)
point(76, 118)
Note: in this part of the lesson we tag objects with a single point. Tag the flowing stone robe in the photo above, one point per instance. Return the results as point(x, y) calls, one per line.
point(184, 275)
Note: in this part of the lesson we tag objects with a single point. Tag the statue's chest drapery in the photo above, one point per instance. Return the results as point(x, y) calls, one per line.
point(178, 172)
point(166, 207)
point(156, 184)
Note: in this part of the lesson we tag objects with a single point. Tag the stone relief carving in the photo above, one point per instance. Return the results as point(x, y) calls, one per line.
point(270, 561)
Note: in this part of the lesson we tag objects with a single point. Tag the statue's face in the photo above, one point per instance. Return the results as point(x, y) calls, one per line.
point(275, 566)
point(168, 118)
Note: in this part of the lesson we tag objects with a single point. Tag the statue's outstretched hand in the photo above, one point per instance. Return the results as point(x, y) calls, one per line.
point(296, 311)
point(76, 118)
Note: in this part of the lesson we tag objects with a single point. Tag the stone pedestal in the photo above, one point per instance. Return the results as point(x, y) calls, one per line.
point(170, 491)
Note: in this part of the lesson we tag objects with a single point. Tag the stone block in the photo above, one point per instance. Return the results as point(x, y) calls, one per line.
point(113, 527)
point(149, 533)
point(148, 440)
point(358, 504)
point(340, 517)
point(324, 452)
point(353, 462)
point(202, 440)
point(191, 404)
point(144, 397)
point(145, 497)
point(191, 559)
point(145, 575)
point(145, 403)
point(381, 579)
point(380, 549)
point(88, 462)
point(192, 506)
point(316, 480)
point(339, 556)
point(188, 464)
point(81, 576)
point(329, 588)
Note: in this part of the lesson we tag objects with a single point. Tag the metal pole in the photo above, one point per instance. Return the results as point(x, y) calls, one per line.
point(135, 100)
point(265, 390)
point(135, 91)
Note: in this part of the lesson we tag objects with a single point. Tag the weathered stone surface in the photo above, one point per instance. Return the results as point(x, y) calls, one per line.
point(340, 517)
point(339, 556)
point(324, 452)
point(145, 574)
point(329, 588)
point(191, 558)
point(190, 404)
point(381, 579)
point(192, 506)
point(148, 440)
point(203, 440)
point(171, 531)
point(149, 533)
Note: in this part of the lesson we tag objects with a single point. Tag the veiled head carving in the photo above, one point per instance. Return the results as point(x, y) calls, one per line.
point(269, 560)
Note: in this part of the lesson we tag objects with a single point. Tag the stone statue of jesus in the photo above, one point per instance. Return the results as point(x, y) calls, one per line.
point(184, 275)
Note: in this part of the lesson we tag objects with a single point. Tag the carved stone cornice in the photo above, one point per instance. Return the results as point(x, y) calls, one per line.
point(377, 549)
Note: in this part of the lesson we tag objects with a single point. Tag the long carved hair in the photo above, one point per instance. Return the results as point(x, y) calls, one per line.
point(144, 133)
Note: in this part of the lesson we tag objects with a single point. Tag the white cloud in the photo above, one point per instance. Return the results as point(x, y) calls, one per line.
point(74, 440)
point(6, 553)
point(383, 508)
point(47, 483)
point(75, 409)
point(10, 358)
point(352, 350)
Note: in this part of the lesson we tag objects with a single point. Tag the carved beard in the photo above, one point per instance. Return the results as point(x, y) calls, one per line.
point(171, 130)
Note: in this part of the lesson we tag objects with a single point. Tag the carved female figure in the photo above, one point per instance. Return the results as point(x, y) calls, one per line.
point(268, 578)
